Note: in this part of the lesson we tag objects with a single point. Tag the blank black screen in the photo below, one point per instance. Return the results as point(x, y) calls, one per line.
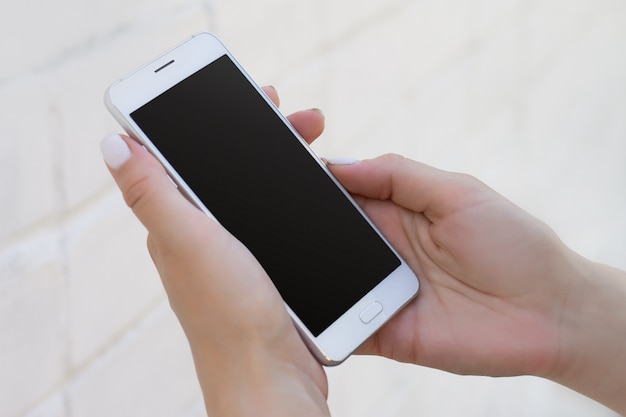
point(260, 182)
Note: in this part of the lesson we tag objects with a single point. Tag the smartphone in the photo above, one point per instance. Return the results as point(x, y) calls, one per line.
point(237, 158)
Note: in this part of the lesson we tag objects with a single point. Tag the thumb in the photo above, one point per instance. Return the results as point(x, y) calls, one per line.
point(202, 266)
point(184, 242)
point(410, 184)
point(147, 189)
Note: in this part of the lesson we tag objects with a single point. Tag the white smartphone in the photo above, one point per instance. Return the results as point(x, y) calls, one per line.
point(237, 158)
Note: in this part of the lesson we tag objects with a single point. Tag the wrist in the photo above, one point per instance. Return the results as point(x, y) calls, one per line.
point(592, 329)
point(249, 380)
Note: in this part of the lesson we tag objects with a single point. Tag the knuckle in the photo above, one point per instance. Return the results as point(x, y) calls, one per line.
point(140, 190)
point(392, 158)
point(469, 181)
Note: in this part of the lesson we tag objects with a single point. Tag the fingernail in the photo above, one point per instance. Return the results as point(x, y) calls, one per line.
point(342, 161)
point(115, 151)
point(319, 111)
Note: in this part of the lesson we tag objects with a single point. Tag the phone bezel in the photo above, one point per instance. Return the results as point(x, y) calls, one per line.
point(345, 335)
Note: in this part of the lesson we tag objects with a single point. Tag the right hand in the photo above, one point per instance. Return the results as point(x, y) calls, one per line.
point(492, 276)
point(500, 294)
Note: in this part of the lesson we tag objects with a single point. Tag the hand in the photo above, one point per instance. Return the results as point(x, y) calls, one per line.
point(249, 358)
point(500, 293)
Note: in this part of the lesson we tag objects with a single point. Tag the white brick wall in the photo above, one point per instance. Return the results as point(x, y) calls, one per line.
point(529, 95)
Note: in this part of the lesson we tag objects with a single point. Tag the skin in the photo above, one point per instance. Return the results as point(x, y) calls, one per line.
point(500, 295)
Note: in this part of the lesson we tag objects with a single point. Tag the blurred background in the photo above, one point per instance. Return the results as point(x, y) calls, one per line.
point(527, 95)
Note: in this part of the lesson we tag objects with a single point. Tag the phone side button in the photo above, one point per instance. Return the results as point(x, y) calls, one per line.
point(370, 312)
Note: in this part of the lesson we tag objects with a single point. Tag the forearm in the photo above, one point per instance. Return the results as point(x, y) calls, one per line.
point(593, 337)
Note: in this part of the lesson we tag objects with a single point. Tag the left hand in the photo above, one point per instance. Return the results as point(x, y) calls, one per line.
point(248, 355)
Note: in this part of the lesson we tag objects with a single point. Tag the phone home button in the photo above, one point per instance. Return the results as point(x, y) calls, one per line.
point(370, 312)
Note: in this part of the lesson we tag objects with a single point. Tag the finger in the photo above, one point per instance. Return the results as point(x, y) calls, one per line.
point(410, 184)
point(271, 92)
point(308, 123)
